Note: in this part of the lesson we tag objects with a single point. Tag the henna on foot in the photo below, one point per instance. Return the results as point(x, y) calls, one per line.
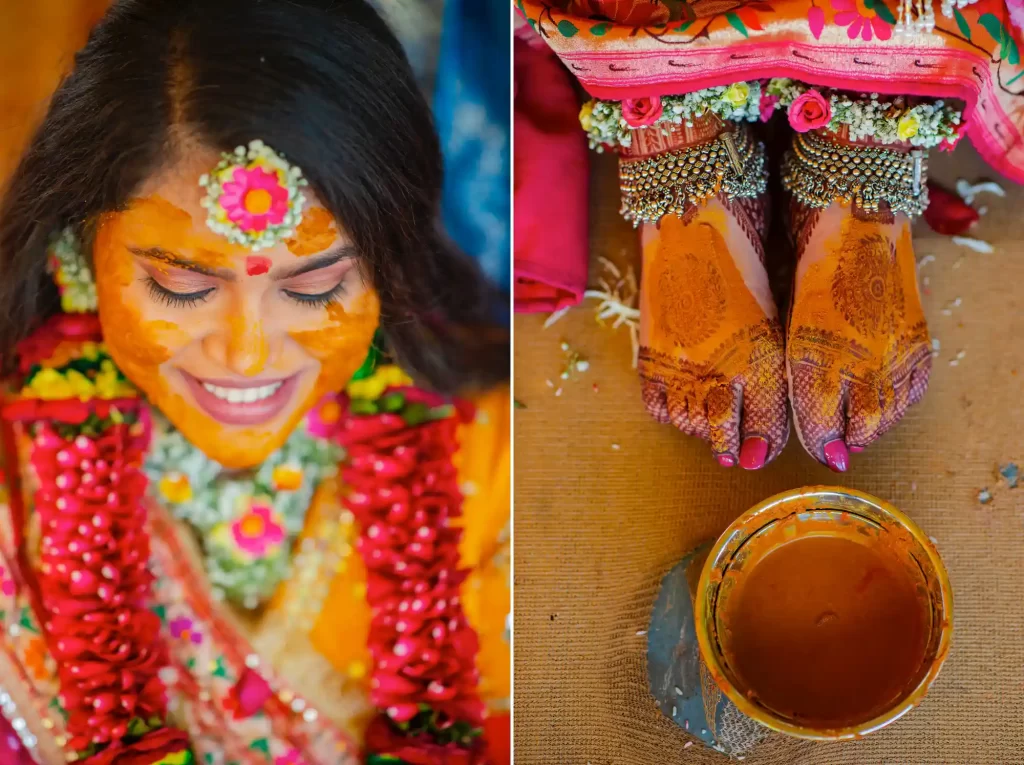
point(711, 356)
point(858, 353)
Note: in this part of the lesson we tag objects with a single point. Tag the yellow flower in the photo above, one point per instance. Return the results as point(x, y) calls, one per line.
point(908, 126)
point(287, 477)
point(737, 93)
point(176, 758)
point(49, 384)
point(586, 115)
point(373, 387)
point(81, 386)
point(175, 487)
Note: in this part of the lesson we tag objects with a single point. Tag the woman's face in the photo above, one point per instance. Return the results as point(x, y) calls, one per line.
point(233, 346)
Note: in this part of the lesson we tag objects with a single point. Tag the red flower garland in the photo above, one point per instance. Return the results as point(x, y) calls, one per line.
point(94, 583)
point(404, 494)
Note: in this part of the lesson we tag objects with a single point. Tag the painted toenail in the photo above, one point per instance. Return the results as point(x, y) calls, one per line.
point(725, 460)
point(837, 456)
point(753, 453)
point(856, 449)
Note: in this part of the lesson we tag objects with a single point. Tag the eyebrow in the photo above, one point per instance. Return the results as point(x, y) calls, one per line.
point(172, 259)
point(343, 252)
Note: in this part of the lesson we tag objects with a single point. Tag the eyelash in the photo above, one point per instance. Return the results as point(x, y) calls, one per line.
point(192, 299)
point(177, 299)
point(318, 301)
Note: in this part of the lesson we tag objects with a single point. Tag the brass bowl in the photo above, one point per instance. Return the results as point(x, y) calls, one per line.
point(822, 508)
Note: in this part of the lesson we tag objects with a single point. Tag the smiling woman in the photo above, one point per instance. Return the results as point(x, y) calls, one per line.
point(253, 410)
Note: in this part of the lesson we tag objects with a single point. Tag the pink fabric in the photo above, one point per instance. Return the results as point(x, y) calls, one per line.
point(551, 182)
point(11, 750)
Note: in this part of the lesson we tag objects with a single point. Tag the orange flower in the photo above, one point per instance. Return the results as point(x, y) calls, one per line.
point(35, 658)
point(287, 477)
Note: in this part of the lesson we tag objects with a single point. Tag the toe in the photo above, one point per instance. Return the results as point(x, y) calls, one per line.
point(819, 402)
point(723, 414)
point(765, 419)
point(655, 401)
point(678, 412)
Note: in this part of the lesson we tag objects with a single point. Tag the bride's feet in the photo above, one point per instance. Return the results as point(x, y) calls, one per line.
point(857, 352)
point(711, 357)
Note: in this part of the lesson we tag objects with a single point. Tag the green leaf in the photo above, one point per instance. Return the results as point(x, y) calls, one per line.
point(260, 745)
point(392, 402)
point(961, 22)
point(416, 414)
point(567, 28)
point(684, 26)
point(382, 759)
point(363, 406)
point(599, 29)
point(737, 23)
point(532, 23)
point(1015, 78)
point(1014, 52)
point(26, 621)
point(161, 612)
point(998, 32)
point(879, 7)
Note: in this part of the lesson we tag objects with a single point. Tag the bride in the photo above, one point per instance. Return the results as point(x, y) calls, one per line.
point(246, 521)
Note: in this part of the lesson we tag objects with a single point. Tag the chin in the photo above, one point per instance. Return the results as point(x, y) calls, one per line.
point(240, 425)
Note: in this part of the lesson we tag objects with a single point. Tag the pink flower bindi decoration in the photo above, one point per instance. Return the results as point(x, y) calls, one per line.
point(253, 196)
point(254, 199)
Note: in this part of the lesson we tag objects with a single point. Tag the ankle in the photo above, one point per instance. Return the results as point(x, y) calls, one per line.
point(645, 142)
point(731, 165)
point(820, 170)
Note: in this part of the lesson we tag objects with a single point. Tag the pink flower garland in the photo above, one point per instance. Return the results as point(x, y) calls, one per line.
point(404, 494)
point(95, 586)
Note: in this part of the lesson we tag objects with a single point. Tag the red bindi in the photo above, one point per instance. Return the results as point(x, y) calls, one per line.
point(256, 265)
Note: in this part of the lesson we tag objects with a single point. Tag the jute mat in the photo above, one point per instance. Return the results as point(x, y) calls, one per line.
point(596, 527)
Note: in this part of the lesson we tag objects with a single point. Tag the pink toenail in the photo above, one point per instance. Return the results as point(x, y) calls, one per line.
point(836, 455)
point(856, 449)
point(725, 460)
point(753, 453)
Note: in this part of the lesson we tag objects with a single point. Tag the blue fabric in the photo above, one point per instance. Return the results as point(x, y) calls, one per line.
point(472, 103)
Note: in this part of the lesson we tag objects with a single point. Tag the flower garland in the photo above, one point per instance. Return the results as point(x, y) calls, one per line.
point(77, 371)
point(247, 522)
point(610, 123)
point(404, 494)
point(71, 272)
point(887, 122)
point(95, 589)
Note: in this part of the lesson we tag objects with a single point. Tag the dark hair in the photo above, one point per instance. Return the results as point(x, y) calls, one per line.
point(326, 83)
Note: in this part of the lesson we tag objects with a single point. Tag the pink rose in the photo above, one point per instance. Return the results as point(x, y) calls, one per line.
point(641, 112)
point(809, 112)
point(767, 106)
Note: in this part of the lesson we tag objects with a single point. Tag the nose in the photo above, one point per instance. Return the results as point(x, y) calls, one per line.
point(243, 345)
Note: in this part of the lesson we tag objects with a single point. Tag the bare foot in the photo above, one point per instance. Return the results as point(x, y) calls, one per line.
point(711, 357)
point(858, 352)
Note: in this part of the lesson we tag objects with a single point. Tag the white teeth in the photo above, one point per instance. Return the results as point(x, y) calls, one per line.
point(243, 395)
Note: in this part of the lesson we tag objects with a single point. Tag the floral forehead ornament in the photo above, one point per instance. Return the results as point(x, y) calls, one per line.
point(253, 196)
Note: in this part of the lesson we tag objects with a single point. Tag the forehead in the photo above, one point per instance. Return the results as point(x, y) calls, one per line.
point(167, 211)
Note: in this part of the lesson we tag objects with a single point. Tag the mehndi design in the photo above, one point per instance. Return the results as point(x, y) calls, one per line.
point(858, 352)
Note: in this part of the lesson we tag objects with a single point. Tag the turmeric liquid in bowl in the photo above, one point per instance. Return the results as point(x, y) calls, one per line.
point(828, 630)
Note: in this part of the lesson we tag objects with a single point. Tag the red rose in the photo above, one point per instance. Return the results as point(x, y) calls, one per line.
point(809, 111)
point(151, 748)
point(641, 112)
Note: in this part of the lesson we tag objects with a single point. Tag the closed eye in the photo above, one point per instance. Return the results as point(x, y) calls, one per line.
point(177, 299)
point(319, 300)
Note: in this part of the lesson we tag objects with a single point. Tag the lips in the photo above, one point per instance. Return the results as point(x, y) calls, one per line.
point(235, 403)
